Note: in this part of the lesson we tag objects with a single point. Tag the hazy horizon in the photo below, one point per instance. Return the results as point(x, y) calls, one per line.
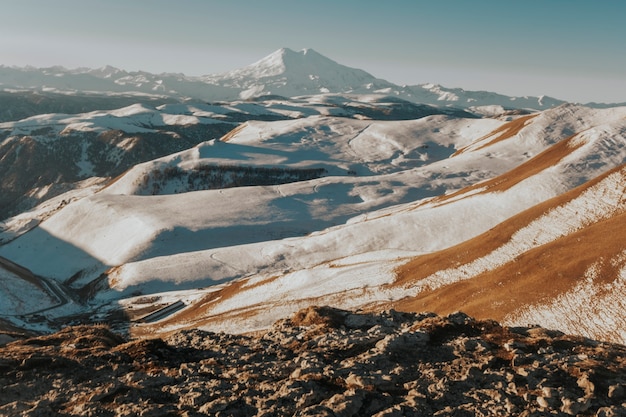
point(572, 50)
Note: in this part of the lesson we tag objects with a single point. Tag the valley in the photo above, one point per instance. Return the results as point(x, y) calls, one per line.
point(305, 183)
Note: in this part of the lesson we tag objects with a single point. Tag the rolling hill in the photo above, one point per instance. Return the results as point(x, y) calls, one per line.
point(229, 216)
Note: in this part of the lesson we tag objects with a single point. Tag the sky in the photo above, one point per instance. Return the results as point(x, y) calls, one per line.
point(569, 49)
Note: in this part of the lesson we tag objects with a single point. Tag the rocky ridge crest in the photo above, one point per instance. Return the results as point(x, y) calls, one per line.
point(320, 362)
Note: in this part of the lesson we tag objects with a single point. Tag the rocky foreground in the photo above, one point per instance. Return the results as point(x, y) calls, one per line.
point(321, 362)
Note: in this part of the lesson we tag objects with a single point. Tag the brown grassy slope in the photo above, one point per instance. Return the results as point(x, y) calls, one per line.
point(539, 274)
point(228, 136)
point(536, 276)
point(506, 131)
point(200, 312)
point(492, 239)
point(546, 159)
point(115, 179)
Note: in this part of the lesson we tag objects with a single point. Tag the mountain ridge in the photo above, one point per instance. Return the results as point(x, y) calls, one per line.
point(106, 140)
point(320, 361)
point(316, 184)
point(229, 86)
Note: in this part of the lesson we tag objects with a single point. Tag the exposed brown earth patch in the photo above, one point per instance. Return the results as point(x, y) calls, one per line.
point(228, 136)
point(539, 274)
point(506, 131)
point(546, 159)
point(114, 180)
point(199, 311)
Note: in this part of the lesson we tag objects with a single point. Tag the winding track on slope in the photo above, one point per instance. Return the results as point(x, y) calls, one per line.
point(50, 287)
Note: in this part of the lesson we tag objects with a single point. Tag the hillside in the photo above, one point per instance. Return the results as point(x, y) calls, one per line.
point(356, 264)
point(228, 216)
point(46, 155)
point(388, 192)
point(559, 263)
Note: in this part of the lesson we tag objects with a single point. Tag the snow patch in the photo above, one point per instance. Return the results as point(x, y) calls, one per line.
point(591, 308)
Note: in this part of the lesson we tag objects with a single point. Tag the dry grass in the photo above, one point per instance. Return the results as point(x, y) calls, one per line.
point(324, 316)
point(233, 132)
point(199, 311)
point(506, 131)
point(537, 275)
point(546, 159)
point(114, 180)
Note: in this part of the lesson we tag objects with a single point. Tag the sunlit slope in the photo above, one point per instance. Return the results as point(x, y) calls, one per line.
point(391, 191)
point(369, 165)
point(561, 263)
point(47, 155)
point(356, 264)
point(126, 222)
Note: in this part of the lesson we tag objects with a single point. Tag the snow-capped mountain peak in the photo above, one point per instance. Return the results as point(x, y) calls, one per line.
point(291, 63)
point(290, 73)
point(284, 72)
point(107, 71)
point(272, 65)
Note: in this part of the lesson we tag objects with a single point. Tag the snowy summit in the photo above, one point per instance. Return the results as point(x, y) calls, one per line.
point(289, 73)
point(284, 73)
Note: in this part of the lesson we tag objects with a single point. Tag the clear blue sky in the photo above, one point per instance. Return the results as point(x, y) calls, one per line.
point(570, 49)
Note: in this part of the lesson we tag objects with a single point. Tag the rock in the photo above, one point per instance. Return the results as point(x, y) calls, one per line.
point(510, 407)
point(612, 411)
point(359, 321)
point(347, 404)
point(106, 393)
point(575, 407)
point(402, 343)
point(214, 406)
point(605, 412)
point(355, 381)
point(395, 411)
point(321, 362)
point(617, 392)
point(587, 386)
point(543, 402)
point(459, 318)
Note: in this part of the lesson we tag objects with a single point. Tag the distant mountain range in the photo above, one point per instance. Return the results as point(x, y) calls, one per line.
point(226, 202)
point(285, 72)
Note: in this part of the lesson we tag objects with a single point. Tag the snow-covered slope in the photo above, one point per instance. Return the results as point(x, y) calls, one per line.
point(288, 73)
point(46, 155)
point(482, 102)
point(365, 261)
point(93, 147)
point(178, 221)
point(239, 198)
point(355, 264)
point(390, 191)
point(17, 295)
